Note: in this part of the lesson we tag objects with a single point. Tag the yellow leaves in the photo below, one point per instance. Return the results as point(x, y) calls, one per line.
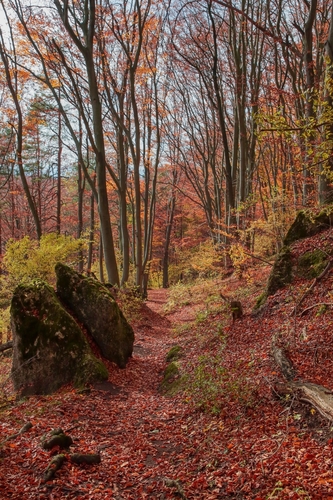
point(27, 259)
point(145, 70)
point(237, 254)
point(55, 83)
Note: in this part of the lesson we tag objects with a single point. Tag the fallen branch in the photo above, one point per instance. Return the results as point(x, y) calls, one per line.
point(318, 396)
point(328, 304)
point(283, 362)
point(6, 346)
point(53, 466)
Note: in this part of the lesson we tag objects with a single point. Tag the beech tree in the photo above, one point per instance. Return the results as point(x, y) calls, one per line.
point(234, 98)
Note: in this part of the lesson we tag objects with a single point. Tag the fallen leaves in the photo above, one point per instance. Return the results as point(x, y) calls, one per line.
point(156, 447)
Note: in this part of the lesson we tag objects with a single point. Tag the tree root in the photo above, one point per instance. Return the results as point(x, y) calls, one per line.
point(90, 459)
point(23, 429)
point(52, 468)
point(313, 284)
point(58, 438)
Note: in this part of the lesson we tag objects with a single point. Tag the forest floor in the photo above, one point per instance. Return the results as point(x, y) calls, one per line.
point(226, 437)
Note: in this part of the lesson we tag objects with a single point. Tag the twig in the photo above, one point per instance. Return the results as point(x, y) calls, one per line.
point(6, 346)
point(315, 305)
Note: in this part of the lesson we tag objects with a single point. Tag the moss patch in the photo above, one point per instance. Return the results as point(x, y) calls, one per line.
point(281, 273)
point(311, 264)
point(90, 370)
point(175, 353)
point(261, 300)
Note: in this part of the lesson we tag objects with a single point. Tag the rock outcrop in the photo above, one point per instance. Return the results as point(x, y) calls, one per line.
point(94, 306)
point(308, 224)
point(49, 348)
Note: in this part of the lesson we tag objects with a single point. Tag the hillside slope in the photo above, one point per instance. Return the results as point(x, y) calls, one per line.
point(223, 433)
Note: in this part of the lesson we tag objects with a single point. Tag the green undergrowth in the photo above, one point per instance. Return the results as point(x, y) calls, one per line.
point(207, 294)
point(211, 385)
point(200, 291)
point(130, 303)
point(203, 374)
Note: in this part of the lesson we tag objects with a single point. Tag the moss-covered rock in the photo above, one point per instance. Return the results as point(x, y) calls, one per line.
point(175, 353)
point(49, 349)
point(307, 224)
point(311, 264)
point(281, 273)
point(94, 306)
point(279, 277)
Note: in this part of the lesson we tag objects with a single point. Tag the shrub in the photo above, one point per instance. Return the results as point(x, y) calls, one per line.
point(28, 259)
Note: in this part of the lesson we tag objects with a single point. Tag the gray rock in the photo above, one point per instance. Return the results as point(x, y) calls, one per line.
point(94, 306)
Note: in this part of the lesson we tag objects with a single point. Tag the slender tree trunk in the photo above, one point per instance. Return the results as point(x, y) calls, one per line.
point(19, 134)
point(80, 192)
point(88, 29)
point(91, 233)
point(165, 261)
point(58, 223)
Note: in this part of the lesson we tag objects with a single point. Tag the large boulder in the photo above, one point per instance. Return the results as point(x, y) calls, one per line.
point(308, 224)
point(49, 348)
point(94, 306)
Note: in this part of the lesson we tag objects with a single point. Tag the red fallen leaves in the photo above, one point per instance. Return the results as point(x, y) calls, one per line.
point(144, 438)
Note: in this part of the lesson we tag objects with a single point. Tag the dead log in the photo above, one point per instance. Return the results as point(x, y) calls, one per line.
point(53, 466)
point(6, 346)
point(317, 396)
point(90, 459)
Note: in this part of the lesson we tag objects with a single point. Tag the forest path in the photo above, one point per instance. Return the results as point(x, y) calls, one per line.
point(147, 428)
point(141, 435)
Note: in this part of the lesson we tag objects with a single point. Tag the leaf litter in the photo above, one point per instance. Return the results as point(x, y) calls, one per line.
point(154, 446)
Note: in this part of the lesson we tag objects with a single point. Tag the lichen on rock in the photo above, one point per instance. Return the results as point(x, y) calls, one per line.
point(49, 349)
point(94, 306)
